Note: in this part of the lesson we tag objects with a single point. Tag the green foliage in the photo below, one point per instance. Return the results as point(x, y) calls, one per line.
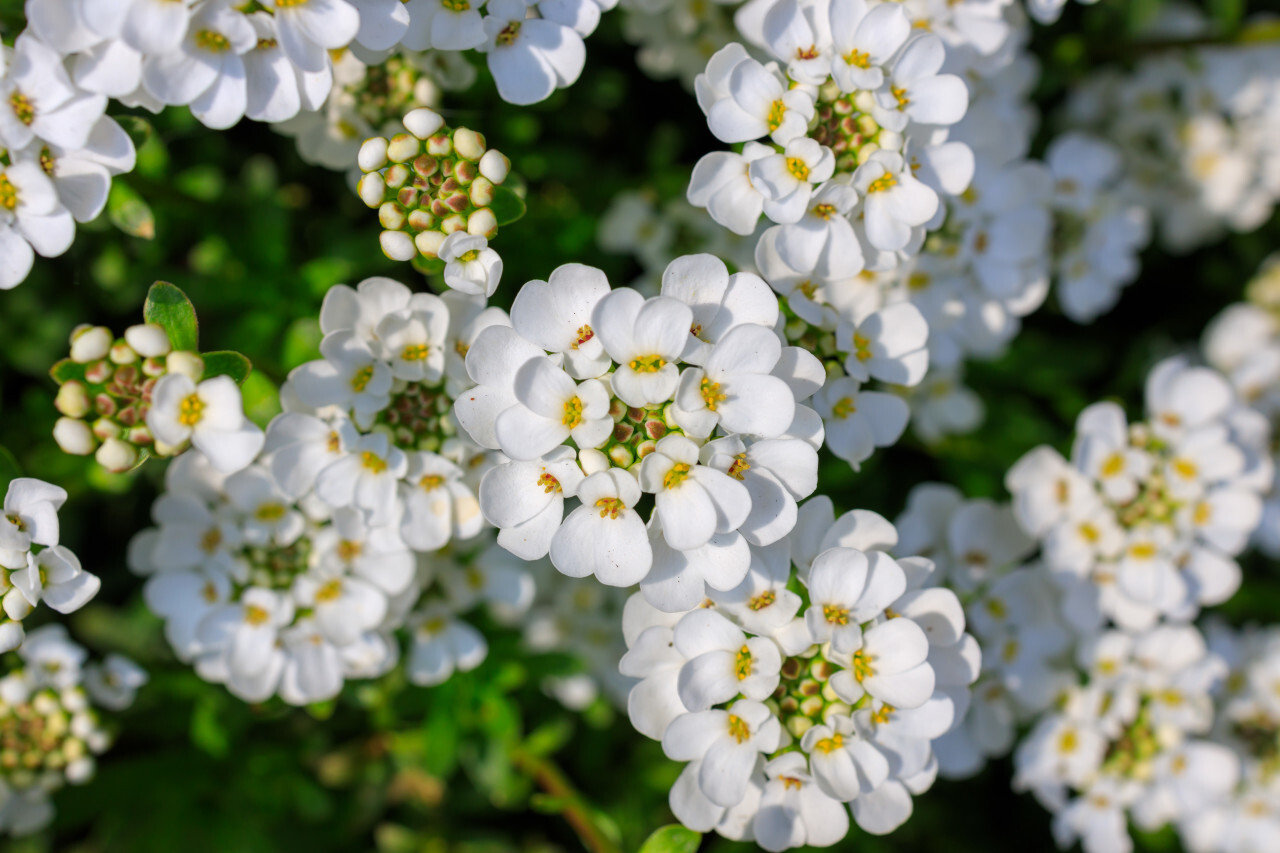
point(9, 469)
point(672, 839)
point(508, 205)
point(168, 307)
point(127, 211)
point(226, 363)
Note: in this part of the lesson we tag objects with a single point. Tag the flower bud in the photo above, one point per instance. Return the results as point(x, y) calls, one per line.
point(153, 367)
point(495, 166)
point(425, 166)
point(423, 122)
point(421, 220)
point(464, 172)
point(105, 428)
point(428, 243)
point(391, 216)
point(90, 343)
point(482, 223)
point(162, 449)
point(397, 245)
point(373, 154)
point(122, 353)
point(864, 101)
point(116, 455)
point(890, 140)
point(187, 363)
point(450, 224)
point(439, 145)
point(468, 143)
point(139, 435)
point(74, 437)
point(397, 176)
point(481, 192)
point(591, 461)
point(148, 340)
point(98, 372)
point(372, 189)
point(105, 405)
point(72, 399)
point(403, 147)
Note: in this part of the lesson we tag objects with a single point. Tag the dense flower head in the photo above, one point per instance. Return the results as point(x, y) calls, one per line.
point(51, 721)
point(34, 567)
point(809, 692)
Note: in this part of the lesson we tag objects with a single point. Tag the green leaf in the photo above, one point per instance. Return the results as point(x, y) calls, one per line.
point(507, 205)
point(167, 306)
point(1227, 14)
point(67, 370)
point(549, 737)
point(428, 266)
point(673, 838)
point(9, 469)
point(127, 211)
point(226, 363)
point(138, 128)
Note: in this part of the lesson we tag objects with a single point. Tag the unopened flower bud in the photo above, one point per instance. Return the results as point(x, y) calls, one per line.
point(116, 455)
point(464, 172)
point(428, 243)
point(74, 437)
point(397, 245)
point(98, 372)
point(391, 216)
point(139, 435)
point(592, 461)
point(162, 449)
point(122, 353)
point(450, 224)
point(90, 343)
point(72, 399)
point(397, 176)
point(153, 366)
point(495, 166)
point(148, 339)
point(105, 428)
point(468, 143)
point(423, 122)
point(482, 223)
point(440, 145)
point(373, 154)
point(421, 220)
point(865, 101)
point(187, 363)
point(372, 189)
point(890, 140)
point(403, 147)
point(481, 192)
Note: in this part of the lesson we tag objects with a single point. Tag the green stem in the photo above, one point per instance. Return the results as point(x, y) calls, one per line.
point(552, 780)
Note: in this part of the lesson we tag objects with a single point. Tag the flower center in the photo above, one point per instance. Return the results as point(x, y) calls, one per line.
point(572, 412)
point(830, 744)
point(255, 615)
point(824, 211)
point(862, 666)
point(211, 540)
point(738, 728)
point(584, 334)
point(508, 34)
point(678, 474)
point(712, 395)
point(361, 379)
point(798, 168)
point(900, 95)
point(882, 184)
point(431, 482)
point(330, 591)
point(835, 614)
point(349, 550)
point(8, 193)
point(777, 112)
point(456, 5)
point(212, 41)
point(610, 507)
point(22, 107)
point(647, 363)
point(861, 346)
point(415, 352)
point(742, 663)
point(843, 408)
point(270, 512)
point(550, 484)
point(740, 466)
point(858, 59)
point(1113, 465)
point(191, 410)
point(373, 462)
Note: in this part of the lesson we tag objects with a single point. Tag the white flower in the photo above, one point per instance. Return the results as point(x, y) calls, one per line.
point(605, 536)
point(693, 502)
point(310, 28)
point(757, 104)
point(366, 477)
point(114, 682)
point(55, 577)
point(349, 376)
point(727, 744)
point(438, 505)
point(525, 500)
point(846, 589)
point(31, 221)
point(556, 315)
point(206, 71)
point(238, 642)
point(210, 415)
point(845, 764)
point(343, 607)
point(917, 92)
point(452, 25)
point(30, 517)
point(864, 41)
point(734, 390)
point(859, 421)
point(413, 339)
point(894, 203)
point(722, 662)
point(720, 302)
point(721, 182)
point(470, 265)
point(787, 179)
point(888, 345)
point(443, 645)
point(776, 472)
point(645, 338)
point(38, 100)
point(550, 409)
point(529, 57)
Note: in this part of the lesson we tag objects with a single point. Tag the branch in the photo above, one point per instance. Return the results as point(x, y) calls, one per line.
point(552, 780)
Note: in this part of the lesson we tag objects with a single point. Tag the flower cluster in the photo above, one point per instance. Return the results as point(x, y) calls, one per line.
point(1193, 127)
point(123, 398)
point(432, 187)
point(607, 397)
point(1243, 342)
point(58, 153)
point(33, 566)
point(50, 722)
point(1144, 522)
point(798, 704)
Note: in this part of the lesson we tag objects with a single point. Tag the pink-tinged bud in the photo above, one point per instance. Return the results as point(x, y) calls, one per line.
point(397, 245)
point(372, 189)
point(373, 154)
point(623, 432)
point(408, 197)
point(465, 171)
point(482, 223)
point(481, 192)
point(122, 353)
point(439, 208)
point(116, 456)
point(105, 405)
point(439, 145)
point(139, 435)
point(403, 147)
point(620, 456)
point(425, 166)
point(187, 363)
point(495, 166)
point(450, 224)
point(74, 437)
point(130, 416)
point(421, 220)
point(449, 186)
point(153, 367)
point(90, 343)
point(458, 202)
point(644, 448)
point(162, 449)
point(655, 429)
point(468, 143)
point(72, 399)
point(398, 175)
point(98, 372)
point(105, 428)
point(391, 216)
point(423, 122)
point(148, 339)
point(428, 244)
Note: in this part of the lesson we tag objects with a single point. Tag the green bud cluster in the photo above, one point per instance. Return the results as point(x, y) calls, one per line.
point(430, 182)
point(276, 567)
point(42, 734)
point(1131, 754)
point(104, 392)
point(804, 698)
point(843, 122)
point(418, 417)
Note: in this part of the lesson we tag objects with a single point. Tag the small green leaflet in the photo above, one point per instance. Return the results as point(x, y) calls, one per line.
point(168, 307)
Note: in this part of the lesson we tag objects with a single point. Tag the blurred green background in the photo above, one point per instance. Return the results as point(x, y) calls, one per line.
point(256, 237)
